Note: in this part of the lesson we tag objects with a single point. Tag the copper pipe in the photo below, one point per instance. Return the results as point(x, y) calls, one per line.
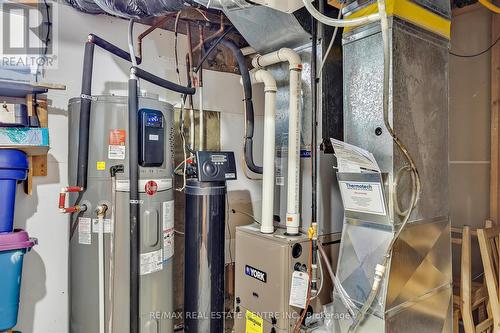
point(162, 21)
point(149, 30)
point(214, 35)
point(189, 55)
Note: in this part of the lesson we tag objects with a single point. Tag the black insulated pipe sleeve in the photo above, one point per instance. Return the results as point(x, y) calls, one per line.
point(135, 244)
point(140, 73)
point(249, 112)
point(86, 100)
point(111, 48)
point(85, 105)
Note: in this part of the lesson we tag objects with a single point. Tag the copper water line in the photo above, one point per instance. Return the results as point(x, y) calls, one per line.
point(149, 30)
point(214, 35)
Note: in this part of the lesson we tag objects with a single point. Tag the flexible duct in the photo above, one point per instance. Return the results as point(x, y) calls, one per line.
point(86, 6)
point(130, 8)
point(293, 194)
point(270, 90)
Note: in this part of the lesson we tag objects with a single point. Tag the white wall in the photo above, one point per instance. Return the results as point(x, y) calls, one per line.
point(44, 299)
point(469, 121)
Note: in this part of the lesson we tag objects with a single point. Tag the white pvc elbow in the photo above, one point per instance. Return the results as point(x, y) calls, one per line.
point(282, 55)
point(266, 78)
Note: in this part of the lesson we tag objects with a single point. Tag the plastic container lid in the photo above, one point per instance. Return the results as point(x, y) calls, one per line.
point(19, 239)
point(13, 164)
point(13, 159)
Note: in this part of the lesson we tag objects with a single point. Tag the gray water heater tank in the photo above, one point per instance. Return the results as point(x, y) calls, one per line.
point(109, 147)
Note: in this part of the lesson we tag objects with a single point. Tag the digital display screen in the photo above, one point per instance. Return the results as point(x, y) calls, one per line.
point(219, 158)
point(154, 120)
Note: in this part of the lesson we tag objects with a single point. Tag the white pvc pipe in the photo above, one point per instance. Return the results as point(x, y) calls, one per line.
point(202, 120)
point(100, 226)
point(270, 90)
point(339, 22)
point(294, 117)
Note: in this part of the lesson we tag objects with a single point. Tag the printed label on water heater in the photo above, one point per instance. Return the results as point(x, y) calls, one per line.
point(116, 147)
point(96, 226)
point(84, 231)
point(168, 230)
point(151, 262)
point(363, 197)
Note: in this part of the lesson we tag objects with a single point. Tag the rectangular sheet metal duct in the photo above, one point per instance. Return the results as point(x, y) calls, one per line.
point(416, 291)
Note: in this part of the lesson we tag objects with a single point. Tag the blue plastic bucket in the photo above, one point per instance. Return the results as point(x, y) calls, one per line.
point(13, 168)
point(13, 247)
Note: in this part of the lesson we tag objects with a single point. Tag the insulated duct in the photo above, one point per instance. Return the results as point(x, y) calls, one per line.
point(130, 8)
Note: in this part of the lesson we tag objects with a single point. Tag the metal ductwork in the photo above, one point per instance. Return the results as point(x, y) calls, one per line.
point(265, 29)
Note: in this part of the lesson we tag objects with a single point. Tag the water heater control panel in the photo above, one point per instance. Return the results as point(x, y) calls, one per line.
point(215, 166)
point(152, 138)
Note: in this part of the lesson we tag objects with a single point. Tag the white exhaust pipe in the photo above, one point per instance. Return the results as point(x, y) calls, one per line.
point(293, 194)
point(270, 90)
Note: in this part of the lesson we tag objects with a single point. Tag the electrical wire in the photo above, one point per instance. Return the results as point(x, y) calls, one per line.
point(416, 183)
point(181, 118)
point(229, 228)
point(476, 54)
point(47, 38)
point(346, 300)
point(330, 46)
point(234, 211)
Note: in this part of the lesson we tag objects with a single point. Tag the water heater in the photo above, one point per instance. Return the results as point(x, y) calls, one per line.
point(100, 247)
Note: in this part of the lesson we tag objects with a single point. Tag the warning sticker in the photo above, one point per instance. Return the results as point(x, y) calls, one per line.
point(84, 231)
point(168, 229)
point(254, 323)
point(116, 148)
point(298, 291)
point(101, 166)
point(151, 262)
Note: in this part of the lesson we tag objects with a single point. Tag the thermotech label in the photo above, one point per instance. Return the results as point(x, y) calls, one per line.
point(255, 273)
